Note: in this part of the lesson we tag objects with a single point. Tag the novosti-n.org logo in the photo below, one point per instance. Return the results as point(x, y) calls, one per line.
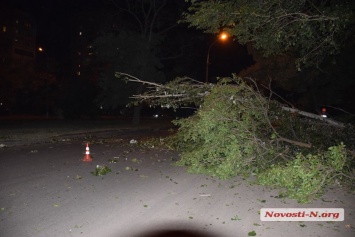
point(302, 214)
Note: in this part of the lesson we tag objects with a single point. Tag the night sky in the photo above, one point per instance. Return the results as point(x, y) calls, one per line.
point(55, 18)
point(57, 24)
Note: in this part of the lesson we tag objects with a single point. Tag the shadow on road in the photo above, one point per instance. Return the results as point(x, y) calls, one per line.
point(175, 233)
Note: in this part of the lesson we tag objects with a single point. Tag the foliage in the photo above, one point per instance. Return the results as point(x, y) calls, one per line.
point(101, 170)
point(224, 137)
point(306, 177)
point(182, 91)
point(310, 29)
point(239, 131)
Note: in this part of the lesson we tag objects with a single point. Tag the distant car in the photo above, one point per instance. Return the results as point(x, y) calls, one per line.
point(156, 113)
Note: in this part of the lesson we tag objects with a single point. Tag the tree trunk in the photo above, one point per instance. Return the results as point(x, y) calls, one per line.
point(136, 115)
point(314, 116)
point(137, 109)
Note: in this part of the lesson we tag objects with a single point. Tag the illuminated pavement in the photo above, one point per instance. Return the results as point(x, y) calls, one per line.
point(47, 190)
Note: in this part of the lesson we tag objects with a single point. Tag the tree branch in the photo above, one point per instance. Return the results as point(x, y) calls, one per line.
point(314, 116)
point(156, 13)
point(129, 10)
point(301, 144)
point(131, 78)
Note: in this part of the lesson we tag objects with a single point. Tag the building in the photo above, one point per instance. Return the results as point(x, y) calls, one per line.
point(17, 39)
point(17, 57)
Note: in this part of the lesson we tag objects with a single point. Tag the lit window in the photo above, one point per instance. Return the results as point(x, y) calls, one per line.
point(79, 65)
point(78, 73)
point(4, 29)
point(80, 33)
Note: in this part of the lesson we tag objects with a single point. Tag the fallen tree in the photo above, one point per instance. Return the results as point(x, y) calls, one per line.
point(314, 116)
point(185, 90)
point(238, 130)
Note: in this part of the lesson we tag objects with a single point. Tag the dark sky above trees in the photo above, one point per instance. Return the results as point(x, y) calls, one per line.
point(56, 20)
point(56, 17)
point(182, 50)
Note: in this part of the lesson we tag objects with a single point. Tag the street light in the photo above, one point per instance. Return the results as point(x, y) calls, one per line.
point(40, 49)
point(222, 37)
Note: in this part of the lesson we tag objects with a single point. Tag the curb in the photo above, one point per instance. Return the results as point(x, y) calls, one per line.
point(80, 135)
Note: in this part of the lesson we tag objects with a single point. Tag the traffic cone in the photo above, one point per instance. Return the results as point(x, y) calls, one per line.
point(87, 157)
point(324, 113)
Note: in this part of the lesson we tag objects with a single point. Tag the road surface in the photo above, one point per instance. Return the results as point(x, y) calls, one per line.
point(47, 190)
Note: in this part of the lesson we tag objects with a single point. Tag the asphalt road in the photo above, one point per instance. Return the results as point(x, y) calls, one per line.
point(47, 190)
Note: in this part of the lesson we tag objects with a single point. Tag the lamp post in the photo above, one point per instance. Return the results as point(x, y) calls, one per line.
point(222, 37)
point(40, 49)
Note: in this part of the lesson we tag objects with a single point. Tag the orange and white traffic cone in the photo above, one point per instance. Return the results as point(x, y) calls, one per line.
point(324, 113)
point(87, 156)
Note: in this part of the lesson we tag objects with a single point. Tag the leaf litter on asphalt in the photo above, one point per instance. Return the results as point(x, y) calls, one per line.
point(131, 168)
point(252, 233)
point(101, 170)
point(135, 160)
point(113, 161)
point(236, 218)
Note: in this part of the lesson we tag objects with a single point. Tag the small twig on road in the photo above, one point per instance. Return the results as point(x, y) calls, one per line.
point(205, 195)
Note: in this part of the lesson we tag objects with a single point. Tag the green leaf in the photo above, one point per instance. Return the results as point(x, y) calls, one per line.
point(252, 233)
point(101, 170)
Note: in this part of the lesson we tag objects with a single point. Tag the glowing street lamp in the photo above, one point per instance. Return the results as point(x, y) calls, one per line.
point(222, 37)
